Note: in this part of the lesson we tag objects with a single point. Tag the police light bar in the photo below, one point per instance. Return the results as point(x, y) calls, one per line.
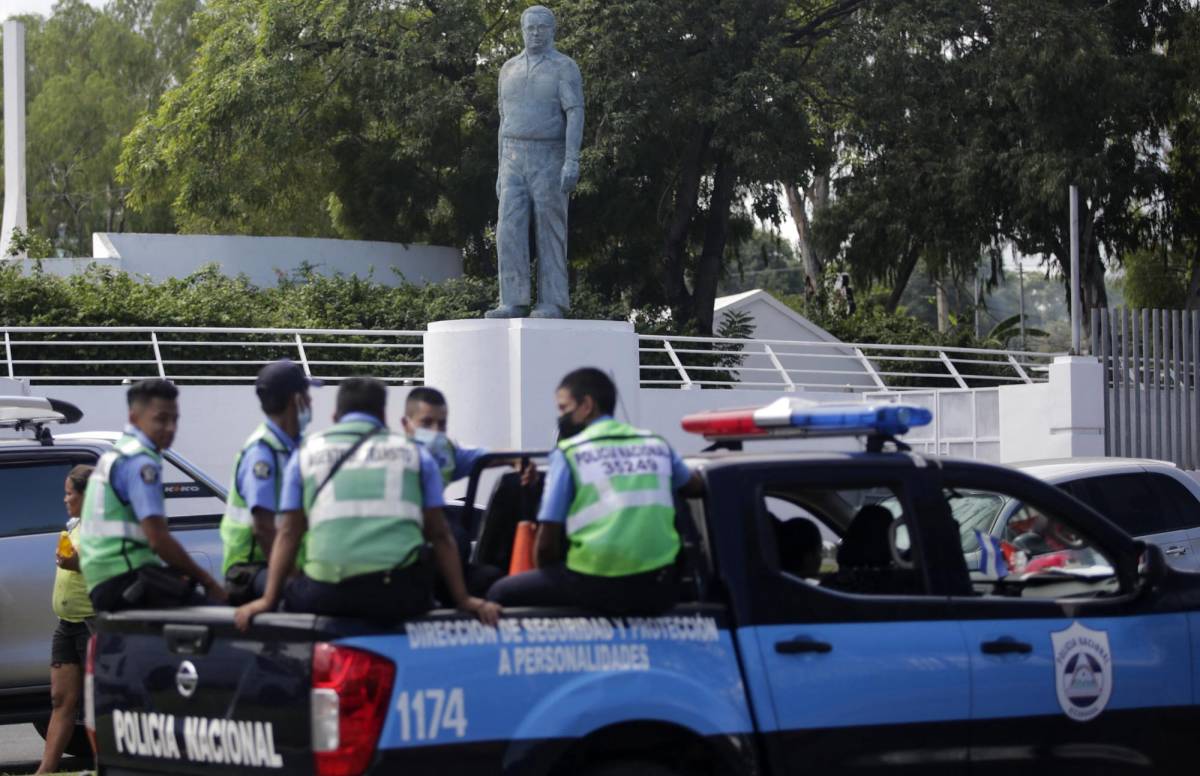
point(801, 418)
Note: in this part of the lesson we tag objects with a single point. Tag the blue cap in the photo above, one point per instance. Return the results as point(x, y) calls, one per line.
point(283, 378)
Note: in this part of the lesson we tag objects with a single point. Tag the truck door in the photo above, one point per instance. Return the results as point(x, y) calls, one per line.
point(853, 662)
point(1077, 666)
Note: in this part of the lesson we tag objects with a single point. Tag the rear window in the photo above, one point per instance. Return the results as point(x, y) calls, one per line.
point(1135, 502)
point(32, 501)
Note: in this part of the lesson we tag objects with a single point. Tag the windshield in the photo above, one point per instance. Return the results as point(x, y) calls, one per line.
point(973, 510)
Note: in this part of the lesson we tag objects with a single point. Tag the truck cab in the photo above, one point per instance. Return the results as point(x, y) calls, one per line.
point(830, 621)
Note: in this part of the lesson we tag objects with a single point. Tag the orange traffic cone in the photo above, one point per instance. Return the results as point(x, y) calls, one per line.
point(522, 550)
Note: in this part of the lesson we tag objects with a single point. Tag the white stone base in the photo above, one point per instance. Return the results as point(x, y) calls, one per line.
point(499, 376)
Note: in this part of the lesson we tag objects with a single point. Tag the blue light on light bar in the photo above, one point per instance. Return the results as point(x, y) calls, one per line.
point(889, 419)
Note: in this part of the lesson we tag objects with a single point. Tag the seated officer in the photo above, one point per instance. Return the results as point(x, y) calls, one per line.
point(123, 532)
point(425, 418)
point(248, 526)
point(369, 500)
point(610, 492)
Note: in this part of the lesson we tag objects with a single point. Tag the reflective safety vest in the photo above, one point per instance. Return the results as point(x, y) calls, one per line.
point(111, 538)
point(237, 524)
point(622, 520)
point(369, 517)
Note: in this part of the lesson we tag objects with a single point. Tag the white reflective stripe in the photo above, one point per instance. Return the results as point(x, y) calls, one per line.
point(612, 501)
point(98, 527)
point(327, 509)
point(239, 515)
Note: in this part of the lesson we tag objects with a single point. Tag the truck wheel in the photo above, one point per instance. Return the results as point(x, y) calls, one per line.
point(78, 746)
point(631, 768)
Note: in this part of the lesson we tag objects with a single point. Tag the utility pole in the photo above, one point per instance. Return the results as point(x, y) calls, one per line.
point(1076, 313)
point(15, 215)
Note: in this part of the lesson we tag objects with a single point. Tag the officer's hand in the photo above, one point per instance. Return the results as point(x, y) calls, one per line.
point(570, 176)
point(245, 614)
point(487, 611)
point(529, 472)
point(216, 591)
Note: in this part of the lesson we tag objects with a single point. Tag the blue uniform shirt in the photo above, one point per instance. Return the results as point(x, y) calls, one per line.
point(137, 480)
point(560, 485)
point(464, 459)
point(292, 496)
point(258, 472)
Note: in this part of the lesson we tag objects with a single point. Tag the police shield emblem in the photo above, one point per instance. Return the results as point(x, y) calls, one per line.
point(1083, 671)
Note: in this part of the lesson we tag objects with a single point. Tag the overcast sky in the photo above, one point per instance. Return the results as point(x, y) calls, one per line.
point(12, 7)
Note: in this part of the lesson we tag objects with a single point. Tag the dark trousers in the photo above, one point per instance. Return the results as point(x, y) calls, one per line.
point(384, 597)
point(648, 593)
point(132, 591)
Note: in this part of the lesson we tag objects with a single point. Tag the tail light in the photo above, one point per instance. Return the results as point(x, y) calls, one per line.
point(89, 695)
point(351, 690)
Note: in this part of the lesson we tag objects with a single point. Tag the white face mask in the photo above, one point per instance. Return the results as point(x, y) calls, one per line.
point(435, 441)
point(304, 417)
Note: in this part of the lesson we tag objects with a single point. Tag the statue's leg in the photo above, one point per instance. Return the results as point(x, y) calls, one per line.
point(550, 228)
point(512, 230)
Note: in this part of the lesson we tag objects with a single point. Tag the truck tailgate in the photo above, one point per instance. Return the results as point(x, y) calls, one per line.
point(182, 691)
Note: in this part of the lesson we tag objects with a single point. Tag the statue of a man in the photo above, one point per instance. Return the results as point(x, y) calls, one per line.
point(541, 129)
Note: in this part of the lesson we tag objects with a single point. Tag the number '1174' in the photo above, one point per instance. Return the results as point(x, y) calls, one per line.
point(424, 714)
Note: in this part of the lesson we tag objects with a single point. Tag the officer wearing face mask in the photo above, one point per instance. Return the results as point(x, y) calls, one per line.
point(248, 526)
point(609, 494)
point(424, 421)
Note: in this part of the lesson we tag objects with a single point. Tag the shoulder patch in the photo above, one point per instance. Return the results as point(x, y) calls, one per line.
point(262, 470)
point(149, 474)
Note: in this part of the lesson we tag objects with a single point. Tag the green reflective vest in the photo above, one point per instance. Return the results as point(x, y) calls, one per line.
point(622, 519)
point(237, 524)
point(369, 517)
point(111, 538)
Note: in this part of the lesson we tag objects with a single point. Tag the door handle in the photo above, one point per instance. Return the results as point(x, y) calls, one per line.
point(802, 645)
point(1175, 551)
point(1005, 646)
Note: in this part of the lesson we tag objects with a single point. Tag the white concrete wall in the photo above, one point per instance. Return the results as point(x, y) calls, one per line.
point(1062, 418)
point(263, 259)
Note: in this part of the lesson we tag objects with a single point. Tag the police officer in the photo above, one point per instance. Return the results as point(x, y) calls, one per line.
point(369, 499)
point(425, 418)
point(123, 533)
point(610, 492)
point(248, 526)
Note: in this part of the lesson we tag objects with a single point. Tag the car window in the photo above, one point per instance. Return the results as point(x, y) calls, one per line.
point(1032, 552)
point(185, 497)
point(1135, 501)
point(850, 540)
point(33, 497)
point(1180, 502)
point(973, 510)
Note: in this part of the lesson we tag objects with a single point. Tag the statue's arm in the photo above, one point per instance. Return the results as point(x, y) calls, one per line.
point(571, 99)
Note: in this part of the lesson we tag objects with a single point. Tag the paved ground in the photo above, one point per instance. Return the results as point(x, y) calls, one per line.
point(21, 751)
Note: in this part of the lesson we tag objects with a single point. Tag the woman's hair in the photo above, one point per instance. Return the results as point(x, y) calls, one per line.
point(79, 477)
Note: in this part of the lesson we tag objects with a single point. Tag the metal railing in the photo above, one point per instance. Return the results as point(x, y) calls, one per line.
point(108, 354)
point(785, 365)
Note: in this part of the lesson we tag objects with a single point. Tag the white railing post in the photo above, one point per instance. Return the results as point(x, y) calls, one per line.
point(1017, 366)
point(954, 372)
point(683, 375)
point(162, 372)
point(787, 379)
point(8, 353)
point(867, 365)
point(304, 356)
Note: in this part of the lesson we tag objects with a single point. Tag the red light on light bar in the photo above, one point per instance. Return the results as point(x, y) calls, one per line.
point(723, 423)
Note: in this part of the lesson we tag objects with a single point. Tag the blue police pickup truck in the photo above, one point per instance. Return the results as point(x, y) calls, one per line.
point(830, 623)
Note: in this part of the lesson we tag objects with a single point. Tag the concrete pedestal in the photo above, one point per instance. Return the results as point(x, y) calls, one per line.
point(499, 376)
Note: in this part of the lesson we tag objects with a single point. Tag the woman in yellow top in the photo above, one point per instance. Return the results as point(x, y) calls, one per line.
point(68, 648)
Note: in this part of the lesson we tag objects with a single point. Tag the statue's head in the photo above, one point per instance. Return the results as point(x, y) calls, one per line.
point(537, 27)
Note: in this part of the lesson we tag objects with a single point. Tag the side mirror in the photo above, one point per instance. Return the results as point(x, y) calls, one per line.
point(1152, 564)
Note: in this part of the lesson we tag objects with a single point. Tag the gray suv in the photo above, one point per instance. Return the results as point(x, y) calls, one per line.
point(33, 465)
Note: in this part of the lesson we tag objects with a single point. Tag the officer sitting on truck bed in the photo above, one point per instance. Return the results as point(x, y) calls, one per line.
point(123, 531)
point(612, 487)
point(368, 500)
point(248, 525)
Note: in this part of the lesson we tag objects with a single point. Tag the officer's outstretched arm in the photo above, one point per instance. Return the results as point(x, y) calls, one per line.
point(292, 526)
point(693, 487)
point(264, 529)
point(445, 554)
point(165, 546)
